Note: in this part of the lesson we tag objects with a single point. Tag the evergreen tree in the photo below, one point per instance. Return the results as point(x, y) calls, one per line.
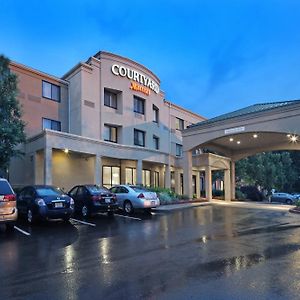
point(11, 125)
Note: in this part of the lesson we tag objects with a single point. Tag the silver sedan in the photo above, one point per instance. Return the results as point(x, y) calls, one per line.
point(132, 197)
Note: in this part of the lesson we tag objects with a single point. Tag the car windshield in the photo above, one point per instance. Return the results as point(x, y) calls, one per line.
point(49, 191)
point(138, 189)
point(96, 189)
point(5, 188)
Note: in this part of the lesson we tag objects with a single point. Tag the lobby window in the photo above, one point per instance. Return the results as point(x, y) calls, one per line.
point(156, 142)
point(130, 176)
point(51, 124)
point(110, 99)
point(139, 105)
point(146, 178)
point(111, 176)
point(178, 150)
point(156, 179)
point(155, 114)
point(51, 91)
point(139, 138)
point(179, 125)
point(110, 133)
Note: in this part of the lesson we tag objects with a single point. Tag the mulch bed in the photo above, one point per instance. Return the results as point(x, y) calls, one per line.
point(295, 210)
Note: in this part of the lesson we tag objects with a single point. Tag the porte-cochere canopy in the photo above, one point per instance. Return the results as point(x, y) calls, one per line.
point(245, 132)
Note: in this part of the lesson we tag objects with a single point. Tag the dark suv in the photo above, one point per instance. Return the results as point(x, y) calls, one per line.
point(8, 204)
point(90, 199)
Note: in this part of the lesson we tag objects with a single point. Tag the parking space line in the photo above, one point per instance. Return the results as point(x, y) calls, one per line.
point(127, 217)
point(22, 231)
point(83, 222)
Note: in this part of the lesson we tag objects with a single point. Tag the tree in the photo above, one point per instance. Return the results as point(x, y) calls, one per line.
point(11, 125)
point(268, 170)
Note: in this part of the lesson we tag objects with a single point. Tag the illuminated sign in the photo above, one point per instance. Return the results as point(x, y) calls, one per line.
point(234, 130)
point(137, 87)
point(135, 76)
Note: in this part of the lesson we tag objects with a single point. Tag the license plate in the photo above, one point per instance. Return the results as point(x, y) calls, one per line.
point(58, 205)
point(107, 200)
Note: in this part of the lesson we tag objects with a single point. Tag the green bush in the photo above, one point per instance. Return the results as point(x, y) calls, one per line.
point(239, 195)
point(297, 203)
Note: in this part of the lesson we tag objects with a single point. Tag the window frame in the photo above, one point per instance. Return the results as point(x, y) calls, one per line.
point(178, 146)
point(155, 111)
point(51, 87)
point(179, 122)
point(111, 184)
point(110, 135)
point(156, 143)
point(136, 131)
point(136, 109)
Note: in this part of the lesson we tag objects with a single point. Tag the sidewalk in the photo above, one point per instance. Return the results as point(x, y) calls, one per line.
point(244, 204)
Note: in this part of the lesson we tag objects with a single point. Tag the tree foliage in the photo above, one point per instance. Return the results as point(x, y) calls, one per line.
point(11, 125)
point(270, 170)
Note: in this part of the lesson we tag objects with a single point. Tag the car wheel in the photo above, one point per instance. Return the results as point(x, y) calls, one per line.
point(128, 208)
point(110, 213)
point(289, 201)
point(85, 211)
point(30, 218)
point(147, 211)
point(66, 219)
point(10, 226)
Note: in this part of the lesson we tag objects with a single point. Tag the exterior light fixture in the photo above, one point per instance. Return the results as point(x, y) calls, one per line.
point(293, 138)
point(288, 135)
point(238, 142)
point(66, 151)
point(255, 136)
point(231, 139)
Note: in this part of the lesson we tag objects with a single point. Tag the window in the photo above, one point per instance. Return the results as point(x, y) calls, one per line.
point(51, 124)
point(155, 114)
point(139, 138)
point(110, 133)
point(130, 176)
point(111, 176)
point(51, 91)
point(156, 179)
point(139, 105)
point(146, 178)
point(110, 99)
point(179, 125)
point(178, 150)
point(156, 142)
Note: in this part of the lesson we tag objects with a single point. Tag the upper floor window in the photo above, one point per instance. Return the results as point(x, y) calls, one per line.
point(156, 142)
point(155, 114)
point(179, 124)
point(110, 133)
point(51, 124)
point(110, 99)
point(139, 138)
point(178, 150)
point(139, 105)
point(50, 91)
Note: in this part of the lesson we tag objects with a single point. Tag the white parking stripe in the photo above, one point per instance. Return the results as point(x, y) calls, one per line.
point(22, 231)
point(138, 219)
point(83, 222)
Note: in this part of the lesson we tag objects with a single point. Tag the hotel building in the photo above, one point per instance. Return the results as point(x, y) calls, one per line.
point(106, 121)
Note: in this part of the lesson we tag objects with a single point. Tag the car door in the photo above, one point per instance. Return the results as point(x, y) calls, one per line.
point(21, 204)
point(73, 195)
point(83, 197)
point(122, 195)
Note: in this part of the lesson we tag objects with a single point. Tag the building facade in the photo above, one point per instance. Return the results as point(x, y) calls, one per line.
point(106, 121)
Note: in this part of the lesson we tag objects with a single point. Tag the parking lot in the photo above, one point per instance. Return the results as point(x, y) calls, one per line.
point(196, 253)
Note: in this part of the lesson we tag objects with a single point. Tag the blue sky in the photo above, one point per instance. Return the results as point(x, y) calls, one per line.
point(212, 56)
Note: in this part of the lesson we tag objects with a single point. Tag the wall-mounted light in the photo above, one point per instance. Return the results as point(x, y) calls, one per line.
point(238, 142)
point(66, 150)
point(293, 138)
point(231, 140)
point(255, 136)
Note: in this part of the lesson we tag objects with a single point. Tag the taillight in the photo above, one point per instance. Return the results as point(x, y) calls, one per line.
point(141, 196)
point(95, 198)
point(10, 197)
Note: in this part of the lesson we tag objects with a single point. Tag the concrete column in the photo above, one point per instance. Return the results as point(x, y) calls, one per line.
point(227, 185)
point(161, 177)
point(187, 174)
point(177, 181)
point(198, 187)
point(139, 172)
point(232, 177)
point(167, 177)
point(123, 172)
point(152, 177)
point(48, 166)
point(98, 169)
point(208, 183)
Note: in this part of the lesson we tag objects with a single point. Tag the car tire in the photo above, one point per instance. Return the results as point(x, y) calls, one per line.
point(85, 211)
point(289, 201)
point(30, 217)
point(66, 219)
point(110, 214)
point(9, 226)
point(128, 208)
point(147, 211)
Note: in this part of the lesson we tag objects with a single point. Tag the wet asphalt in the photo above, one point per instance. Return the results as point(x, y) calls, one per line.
point(198, 253)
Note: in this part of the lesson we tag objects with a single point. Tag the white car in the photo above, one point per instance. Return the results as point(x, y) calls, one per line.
point(132, 197)
point(283, 198)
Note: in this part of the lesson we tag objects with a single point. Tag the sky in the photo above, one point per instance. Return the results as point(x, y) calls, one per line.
point(212, 56)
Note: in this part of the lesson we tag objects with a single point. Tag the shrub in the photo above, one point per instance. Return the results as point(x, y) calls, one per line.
point(239, 195)
point(297, 203)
